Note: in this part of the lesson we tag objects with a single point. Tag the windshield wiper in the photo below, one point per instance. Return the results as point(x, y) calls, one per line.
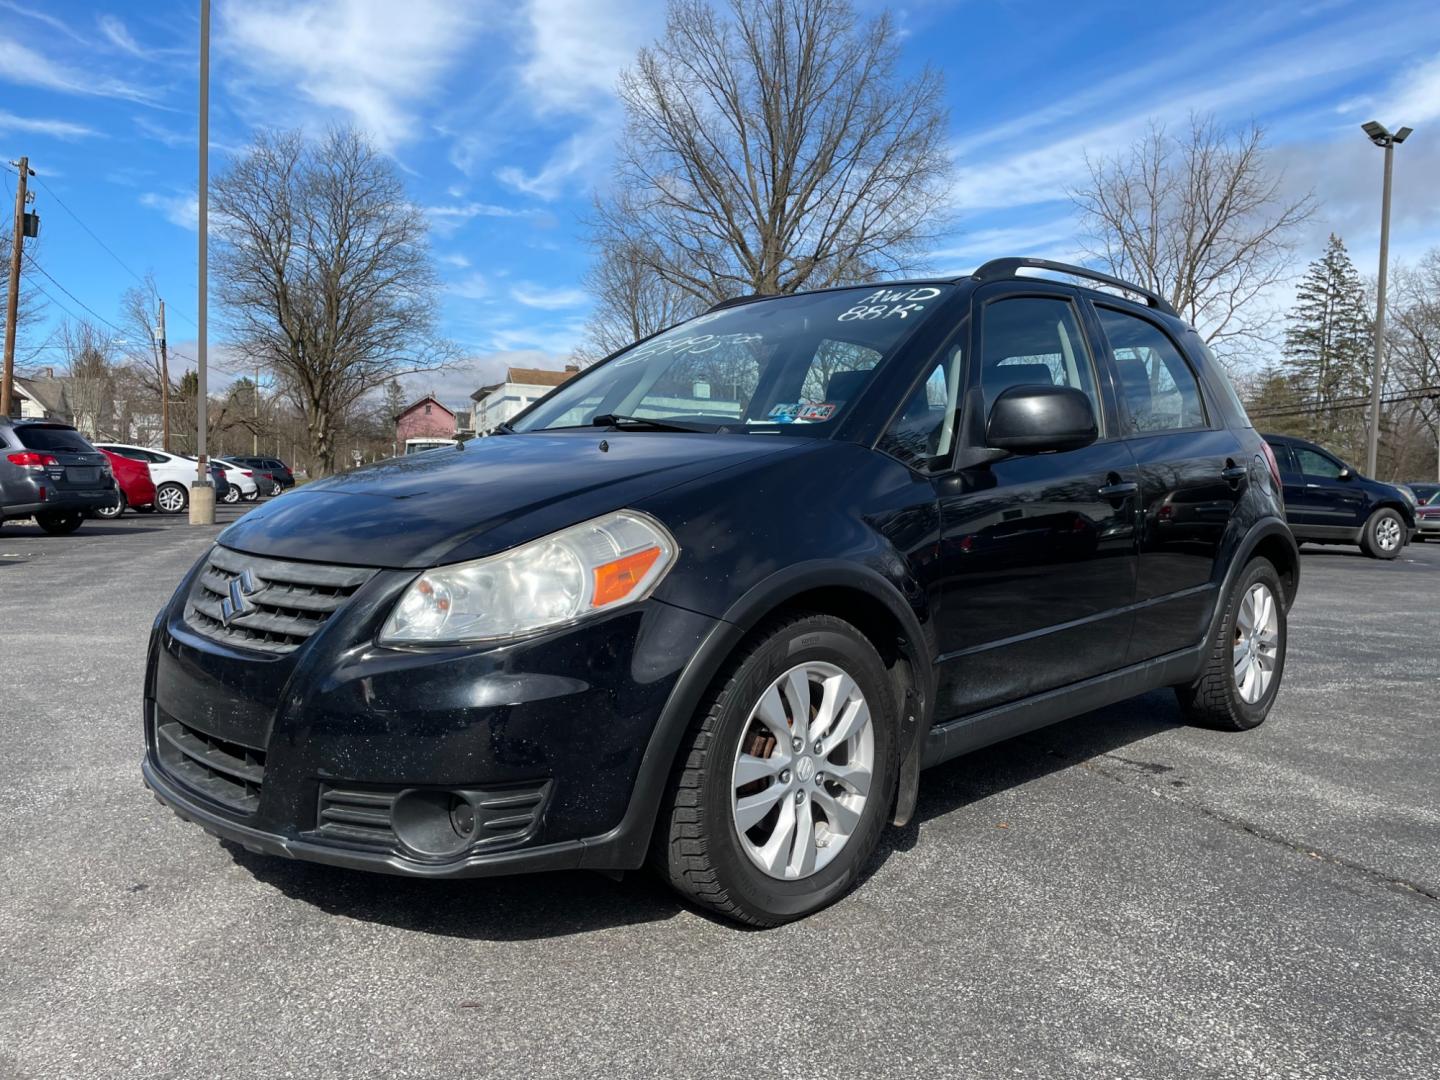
point(617, 420)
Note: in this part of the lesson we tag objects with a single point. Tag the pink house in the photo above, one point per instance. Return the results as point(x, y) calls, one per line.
point(424, 419)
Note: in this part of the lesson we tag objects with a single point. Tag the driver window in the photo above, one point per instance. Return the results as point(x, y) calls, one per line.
point(1317, 465)
point(1030, 340)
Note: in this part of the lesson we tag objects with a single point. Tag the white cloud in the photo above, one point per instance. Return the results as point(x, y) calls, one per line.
point(118, 35)
point(59, 129)
point(1413, 98)
point(454, 259)
point(366, 60)
point(181, 210)
point(582, 154)
point(23, 65)
point(547, 298)
point(578, 50)
point(471, 287)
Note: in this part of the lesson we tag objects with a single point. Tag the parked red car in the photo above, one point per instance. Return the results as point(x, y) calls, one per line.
point(137, 490)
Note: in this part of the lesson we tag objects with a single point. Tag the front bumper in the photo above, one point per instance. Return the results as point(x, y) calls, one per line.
point(1427, 526)
point(571, 712)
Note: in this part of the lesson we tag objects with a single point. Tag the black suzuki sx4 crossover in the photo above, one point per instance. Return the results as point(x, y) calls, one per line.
point(717, 601)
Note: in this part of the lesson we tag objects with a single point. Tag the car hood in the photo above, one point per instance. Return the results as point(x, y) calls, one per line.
point(449, 505)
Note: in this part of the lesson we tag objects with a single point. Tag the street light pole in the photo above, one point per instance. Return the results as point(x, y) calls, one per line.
point(1384, 139)
point(202, 492)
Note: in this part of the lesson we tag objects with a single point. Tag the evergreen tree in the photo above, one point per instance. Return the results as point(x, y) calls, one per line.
point(1327, 348)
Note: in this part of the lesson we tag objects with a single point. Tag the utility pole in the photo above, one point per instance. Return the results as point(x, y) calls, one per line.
point(12, 301)
point(255, 442)
point(164, 384)
point(1386, 141)
point(202, 492)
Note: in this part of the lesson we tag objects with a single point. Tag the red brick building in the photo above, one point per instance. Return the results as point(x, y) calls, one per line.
point(424, 419)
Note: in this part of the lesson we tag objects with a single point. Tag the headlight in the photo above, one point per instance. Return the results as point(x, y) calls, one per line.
point(591, 567)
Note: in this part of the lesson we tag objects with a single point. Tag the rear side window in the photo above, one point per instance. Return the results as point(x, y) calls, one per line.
point(1031, 340)
point(45, 437)
point(1156, 384)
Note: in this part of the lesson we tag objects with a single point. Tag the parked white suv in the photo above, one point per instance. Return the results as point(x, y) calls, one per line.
point(172, 474)
point(242, 481)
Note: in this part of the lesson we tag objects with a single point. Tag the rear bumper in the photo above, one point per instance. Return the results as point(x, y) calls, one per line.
point(59, 499)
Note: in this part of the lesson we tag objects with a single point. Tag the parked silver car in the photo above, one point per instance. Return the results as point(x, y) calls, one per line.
point(49, 472)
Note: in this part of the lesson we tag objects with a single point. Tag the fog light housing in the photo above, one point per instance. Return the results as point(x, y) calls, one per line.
point(433, 823)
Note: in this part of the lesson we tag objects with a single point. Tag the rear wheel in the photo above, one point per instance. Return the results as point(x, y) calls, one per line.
point(252, 496)
point(1384, 534)
point(1246, 658)
point(109, 513)
point(171, 498)
point(60, 522)
point(275, 489)
point(232, 494)
point(787, 780)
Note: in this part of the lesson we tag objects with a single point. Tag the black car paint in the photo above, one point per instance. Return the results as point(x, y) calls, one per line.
point(996, 622)
point(1322, 509)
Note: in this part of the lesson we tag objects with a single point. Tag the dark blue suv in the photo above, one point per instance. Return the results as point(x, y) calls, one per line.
point(1328, 502)
point(717, 601)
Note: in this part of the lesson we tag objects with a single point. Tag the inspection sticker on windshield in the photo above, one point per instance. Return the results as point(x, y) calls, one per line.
point(802, 412)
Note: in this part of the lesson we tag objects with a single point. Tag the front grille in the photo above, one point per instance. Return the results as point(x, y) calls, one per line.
point(223, 771)
point(362, 814)
point(269, 605)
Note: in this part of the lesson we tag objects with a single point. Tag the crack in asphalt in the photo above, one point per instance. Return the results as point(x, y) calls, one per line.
point(1132, 766)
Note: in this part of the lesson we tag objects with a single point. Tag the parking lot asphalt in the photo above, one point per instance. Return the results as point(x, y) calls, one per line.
point(1119, 895)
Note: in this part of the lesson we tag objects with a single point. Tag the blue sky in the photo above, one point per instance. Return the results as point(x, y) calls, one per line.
point(503, 117)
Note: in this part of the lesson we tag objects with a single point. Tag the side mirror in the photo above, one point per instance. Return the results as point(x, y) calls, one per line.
point(1346, 474)
point(1041, 419)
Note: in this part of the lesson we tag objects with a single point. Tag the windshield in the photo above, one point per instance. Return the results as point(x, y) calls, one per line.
point(789, 364)
point(1434, 500)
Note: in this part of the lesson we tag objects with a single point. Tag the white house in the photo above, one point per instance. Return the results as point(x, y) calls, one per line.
point(498, 402)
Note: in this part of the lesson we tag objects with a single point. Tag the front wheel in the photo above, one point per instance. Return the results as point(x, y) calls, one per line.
point(60, 522)
point(171, 498)
point(784, 787)
point(1383, 535)
point(1246, 658)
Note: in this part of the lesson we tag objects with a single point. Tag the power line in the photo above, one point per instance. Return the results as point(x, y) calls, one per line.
point(1424, 393)
point(72, 296)
point(126, 266)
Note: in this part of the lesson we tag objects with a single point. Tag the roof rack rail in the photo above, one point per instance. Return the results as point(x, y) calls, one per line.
point(1010, 267)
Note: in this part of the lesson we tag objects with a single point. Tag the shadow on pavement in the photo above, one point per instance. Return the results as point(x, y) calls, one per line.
point(558, 904)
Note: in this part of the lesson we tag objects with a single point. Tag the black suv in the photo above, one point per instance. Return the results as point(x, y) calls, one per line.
point(1328, 502)
point(718, 600)
point(49, 472)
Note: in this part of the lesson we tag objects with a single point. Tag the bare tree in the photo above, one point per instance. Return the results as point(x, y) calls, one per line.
point(1413, 339)
point(770, 149)
point(90, 382)
point(632, 300)
point(1199, 217)
point(323, 266)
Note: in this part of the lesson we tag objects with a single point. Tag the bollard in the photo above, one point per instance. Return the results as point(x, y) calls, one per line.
point(202, 504)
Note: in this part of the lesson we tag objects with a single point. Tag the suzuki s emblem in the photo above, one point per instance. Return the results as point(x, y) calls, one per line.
point(238, 602)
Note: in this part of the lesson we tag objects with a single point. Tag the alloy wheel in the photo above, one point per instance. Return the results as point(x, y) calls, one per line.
point(171, 499)
point(1257, 642)
point(803, 771)
point(1387, 533)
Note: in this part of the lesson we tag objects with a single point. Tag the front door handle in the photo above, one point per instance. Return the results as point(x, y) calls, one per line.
point(1121, 490)
point(1233, 473)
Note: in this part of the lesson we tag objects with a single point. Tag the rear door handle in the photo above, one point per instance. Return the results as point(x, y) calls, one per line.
point(1122, 490)
point(1234, 473)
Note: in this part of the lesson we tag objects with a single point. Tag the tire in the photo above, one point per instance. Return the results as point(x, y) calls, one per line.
point(698, 844)
point(60, 522)
point(254, 495)
point(171, 498)
point(1384, 534)
point(110, 513)
point(232, 494)
point(275, 489)
point(1221, 697)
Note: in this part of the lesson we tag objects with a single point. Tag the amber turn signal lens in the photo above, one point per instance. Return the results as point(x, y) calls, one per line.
point(615, 580)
